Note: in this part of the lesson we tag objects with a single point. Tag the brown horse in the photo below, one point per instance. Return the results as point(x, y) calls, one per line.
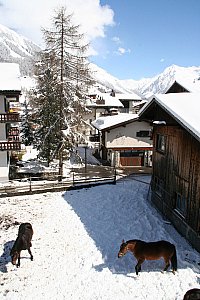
point(23, 242)
point(193, 294)
point(150, 251)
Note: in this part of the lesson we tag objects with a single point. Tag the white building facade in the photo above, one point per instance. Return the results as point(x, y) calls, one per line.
point(10, 90)
point(125, 140)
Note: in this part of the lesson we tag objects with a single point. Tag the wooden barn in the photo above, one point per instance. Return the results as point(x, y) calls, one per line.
point(175, 186)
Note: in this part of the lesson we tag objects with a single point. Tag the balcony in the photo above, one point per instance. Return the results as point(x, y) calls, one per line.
point(13, 134)
point(9, 117)
point(10, 146)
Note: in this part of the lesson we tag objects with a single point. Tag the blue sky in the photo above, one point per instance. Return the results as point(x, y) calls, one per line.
point(153, 33)
point(130, 39)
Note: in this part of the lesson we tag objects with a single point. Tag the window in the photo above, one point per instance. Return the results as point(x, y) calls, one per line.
point(143, 133)
point(160, 143)
point(180, 203)
point(131, 153)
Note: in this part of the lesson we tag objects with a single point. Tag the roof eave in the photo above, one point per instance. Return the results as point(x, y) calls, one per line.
point(178, 120)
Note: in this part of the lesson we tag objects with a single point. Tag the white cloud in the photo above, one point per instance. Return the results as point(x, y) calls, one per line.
point(122, 51)
point(116, 39)
point(27, 17)
point(162, 60)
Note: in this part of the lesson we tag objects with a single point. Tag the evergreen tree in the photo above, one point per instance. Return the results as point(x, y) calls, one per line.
point(26, 125)
point(63, 78)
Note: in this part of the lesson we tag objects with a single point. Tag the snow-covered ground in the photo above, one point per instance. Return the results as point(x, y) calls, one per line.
point(77, 235)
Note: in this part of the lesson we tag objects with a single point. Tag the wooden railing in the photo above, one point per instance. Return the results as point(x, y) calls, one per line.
point(8, 146)
point(9, 117)
point(34, 185)
point(13, 134)
point(13, 131)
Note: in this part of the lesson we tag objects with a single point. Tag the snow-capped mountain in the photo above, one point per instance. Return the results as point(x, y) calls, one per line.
point(18, 49)
point(148, 86)
point(107, 82)
point(159, 84)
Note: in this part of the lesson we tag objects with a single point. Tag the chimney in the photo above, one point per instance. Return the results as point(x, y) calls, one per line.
point(112, 93)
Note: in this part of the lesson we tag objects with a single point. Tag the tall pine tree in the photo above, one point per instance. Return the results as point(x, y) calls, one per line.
point(26, 125)
point(46, 107)
point(63, 78)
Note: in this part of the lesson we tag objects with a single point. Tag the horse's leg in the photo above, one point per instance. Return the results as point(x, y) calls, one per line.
point(167, 264)
point(138, 266)
point(18, 260)
point(29, 251)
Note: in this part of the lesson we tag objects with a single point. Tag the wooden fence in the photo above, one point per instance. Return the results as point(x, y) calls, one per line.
point(34, 185)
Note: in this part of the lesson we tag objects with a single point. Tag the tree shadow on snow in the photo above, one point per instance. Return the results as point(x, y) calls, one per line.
point(5, 257)
point(112, 218)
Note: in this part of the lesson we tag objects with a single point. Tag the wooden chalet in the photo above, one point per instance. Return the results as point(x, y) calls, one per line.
point(176, 88)
point(131, 102)
point(124, 140)
point(106, 105)
point(179, 86)
point(175, 182)
point(101, 104)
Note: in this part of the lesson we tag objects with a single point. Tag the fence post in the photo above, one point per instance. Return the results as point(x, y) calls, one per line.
point(30, 187)
point(115, 176)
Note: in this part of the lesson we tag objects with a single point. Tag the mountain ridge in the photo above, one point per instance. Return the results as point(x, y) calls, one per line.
point(18, 49)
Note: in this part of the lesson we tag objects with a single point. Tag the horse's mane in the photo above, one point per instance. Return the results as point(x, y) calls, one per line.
point(133, 241)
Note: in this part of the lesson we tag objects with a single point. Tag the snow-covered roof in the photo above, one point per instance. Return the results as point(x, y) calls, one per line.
point(193, 87)
point(127, 96)
point(10, 77)
point(190, 84)
point(109, 101)
point(139, 103)
point(106, 122)
point(184, 107)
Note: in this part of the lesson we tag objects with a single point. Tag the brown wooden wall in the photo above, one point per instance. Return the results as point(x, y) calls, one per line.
point(179, 168)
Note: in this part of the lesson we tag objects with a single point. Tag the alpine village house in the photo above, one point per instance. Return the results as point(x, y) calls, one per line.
point(10, 90)
point(125, 140)
point(175, 185)
point(122, 140)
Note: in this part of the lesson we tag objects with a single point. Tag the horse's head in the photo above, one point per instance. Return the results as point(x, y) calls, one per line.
point(123, 249)
point(14, 256)
point(192, 294)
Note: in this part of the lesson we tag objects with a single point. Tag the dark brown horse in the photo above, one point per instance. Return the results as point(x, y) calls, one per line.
point(23, 242)
point(193, 294)
point(150, 251)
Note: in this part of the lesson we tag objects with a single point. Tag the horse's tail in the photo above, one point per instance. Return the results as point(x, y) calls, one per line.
point(174, 260)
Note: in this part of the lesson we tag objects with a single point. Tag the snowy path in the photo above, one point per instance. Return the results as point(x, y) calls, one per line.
point(76, 239)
